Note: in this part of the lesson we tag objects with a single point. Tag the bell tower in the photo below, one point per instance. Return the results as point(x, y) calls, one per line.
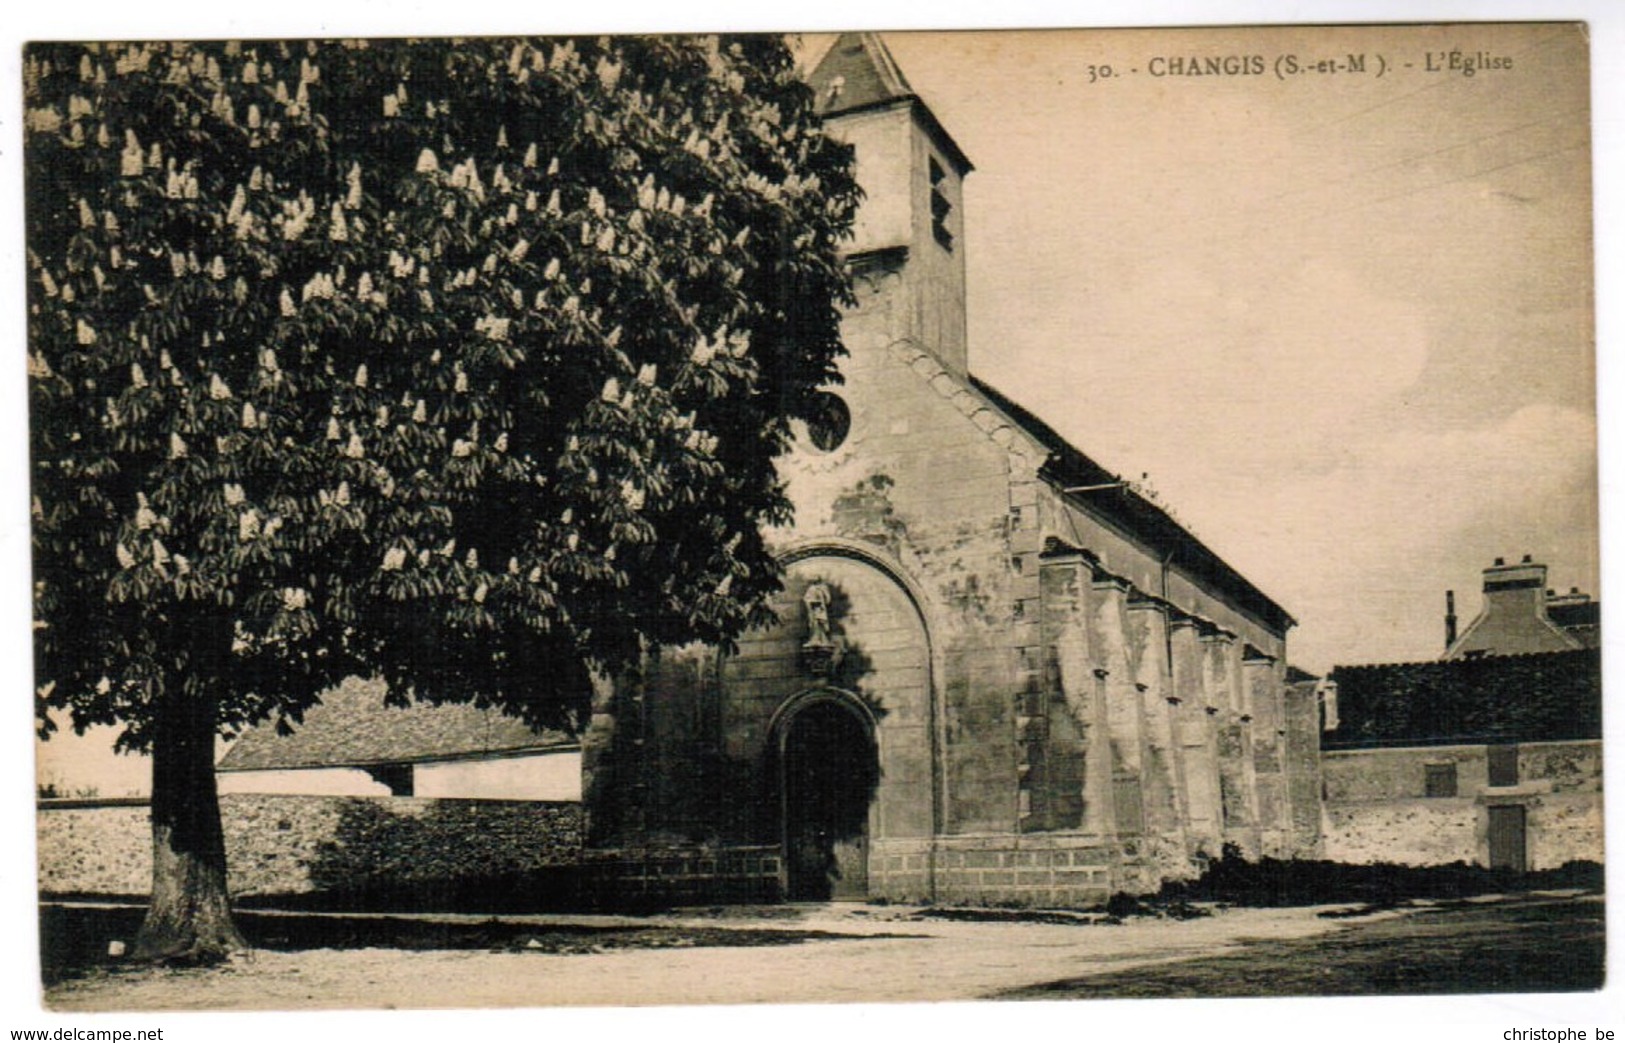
point(908, 249)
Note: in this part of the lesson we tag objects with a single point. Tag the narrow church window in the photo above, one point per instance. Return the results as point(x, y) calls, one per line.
point(829, 422)
point(1441, 780)
point(940, 207)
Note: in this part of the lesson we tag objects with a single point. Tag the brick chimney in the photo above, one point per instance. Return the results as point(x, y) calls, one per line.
point(1513, 620)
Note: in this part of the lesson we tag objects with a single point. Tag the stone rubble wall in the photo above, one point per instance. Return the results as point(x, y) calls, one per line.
point(301, 845)
point(1376, 809)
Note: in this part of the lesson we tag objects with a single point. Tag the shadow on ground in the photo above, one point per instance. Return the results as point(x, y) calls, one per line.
point(1527, 943)
point(74, 939)
point(1271, 882)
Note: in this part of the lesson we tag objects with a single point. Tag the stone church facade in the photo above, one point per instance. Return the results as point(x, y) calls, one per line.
point(1000, 674)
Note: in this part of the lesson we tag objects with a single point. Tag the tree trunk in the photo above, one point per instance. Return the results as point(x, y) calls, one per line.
point(189, 920)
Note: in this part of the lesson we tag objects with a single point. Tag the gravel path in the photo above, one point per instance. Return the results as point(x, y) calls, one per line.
point(884, 954)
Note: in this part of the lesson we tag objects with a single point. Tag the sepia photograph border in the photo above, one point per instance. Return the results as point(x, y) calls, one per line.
point(1332, 1019)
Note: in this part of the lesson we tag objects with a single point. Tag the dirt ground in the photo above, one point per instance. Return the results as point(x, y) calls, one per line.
point(1524, 943)
point(827, 953)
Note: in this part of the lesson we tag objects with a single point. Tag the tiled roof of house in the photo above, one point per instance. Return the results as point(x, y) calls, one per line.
point(1543, 697)
point(353, 727)
point(1581, 620)
point(1071, 467)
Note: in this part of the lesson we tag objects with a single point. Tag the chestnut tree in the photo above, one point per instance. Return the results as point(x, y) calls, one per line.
point(462, 363)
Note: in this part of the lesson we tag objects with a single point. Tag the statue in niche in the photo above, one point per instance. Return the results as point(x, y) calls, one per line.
point(819, 650)
point(816, 601)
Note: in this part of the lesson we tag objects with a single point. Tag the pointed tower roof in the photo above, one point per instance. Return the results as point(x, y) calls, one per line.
point(858, 72)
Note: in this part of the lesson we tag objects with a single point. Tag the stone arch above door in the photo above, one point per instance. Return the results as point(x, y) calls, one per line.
point(881, 655)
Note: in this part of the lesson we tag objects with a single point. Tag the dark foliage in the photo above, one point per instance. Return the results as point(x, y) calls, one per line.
point(1547, 697)
point(1274, 882)
point(459, 363)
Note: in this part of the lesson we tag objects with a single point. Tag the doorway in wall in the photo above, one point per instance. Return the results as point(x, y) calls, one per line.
point(829, 774)
point(1508, 843)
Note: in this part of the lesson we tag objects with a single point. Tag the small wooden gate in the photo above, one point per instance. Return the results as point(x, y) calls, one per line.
point(1508, 843)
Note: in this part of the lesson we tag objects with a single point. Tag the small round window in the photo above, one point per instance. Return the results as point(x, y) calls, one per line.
point(829, 421)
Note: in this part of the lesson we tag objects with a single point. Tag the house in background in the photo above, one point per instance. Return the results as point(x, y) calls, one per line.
point(353, 744)
point(1521, 615)
point(1491, 755)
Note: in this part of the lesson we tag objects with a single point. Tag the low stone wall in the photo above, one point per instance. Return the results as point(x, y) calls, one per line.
point(1560, 828)
point(1376, 809)
point(1565, 827)
point(94, 847)
point(1414, 832)
point(302, 845)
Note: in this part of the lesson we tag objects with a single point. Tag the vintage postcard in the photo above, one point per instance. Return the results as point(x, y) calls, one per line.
point(851, 517)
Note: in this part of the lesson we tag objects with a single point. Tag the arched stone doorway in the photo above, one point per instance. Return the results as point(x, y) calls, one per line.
point(828, 772)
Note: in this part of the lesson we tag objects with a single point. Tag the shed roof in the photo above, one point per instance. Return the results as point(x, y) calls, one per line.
point(353, 727)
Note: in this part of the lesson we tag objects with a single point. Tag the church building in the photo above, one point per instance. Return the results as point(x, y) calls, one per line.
point(1001, 674)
